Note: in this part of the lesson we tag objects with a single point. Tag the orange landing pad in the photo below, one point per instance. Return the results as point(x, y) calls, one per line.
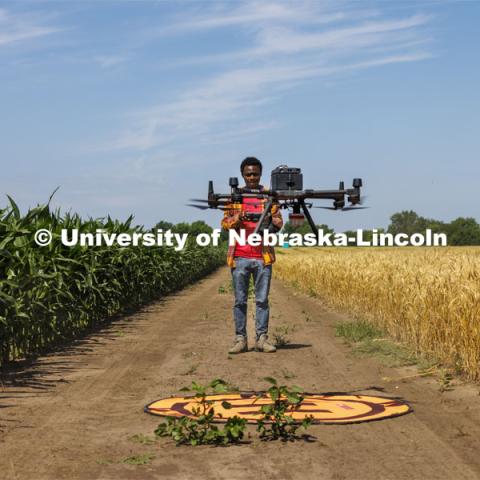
point(324, 408)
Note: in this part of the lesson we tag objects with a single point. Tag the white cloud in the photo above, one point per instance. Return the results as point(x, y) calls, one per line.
point(291, 43)
point(285, 41)
point(229, 98)
point(15, 28)
point(281, 40)
point(253, 13)
point(108, 61)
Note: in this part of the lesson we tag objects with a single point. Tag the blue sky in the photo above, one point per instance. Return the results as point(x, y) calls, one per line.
point(131, 107)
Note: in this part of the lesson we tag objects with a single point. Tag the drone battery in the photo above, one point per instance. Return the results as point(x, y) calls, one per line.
point(286, 178)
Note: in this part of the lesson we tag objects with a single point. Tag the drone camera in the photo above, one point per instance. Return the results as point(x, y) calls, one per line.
point(296, 218)
point(286, 178)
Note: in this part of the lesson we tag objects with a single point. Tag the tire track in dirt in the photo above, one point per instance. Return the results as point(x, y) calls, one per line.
point(80, 407)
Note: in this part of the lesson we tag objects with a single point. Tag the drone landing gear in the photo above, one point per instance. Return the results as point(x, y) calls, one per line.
point(309, 218)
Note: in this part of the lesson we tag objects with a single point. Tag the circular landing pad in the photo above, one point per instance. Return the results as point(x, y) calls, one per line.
point(324, 408)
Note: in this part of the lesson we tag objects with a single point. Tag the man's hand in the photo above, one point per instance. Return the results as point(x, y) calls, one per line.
point(238, 217)
point(277, 222)
point(231, 219)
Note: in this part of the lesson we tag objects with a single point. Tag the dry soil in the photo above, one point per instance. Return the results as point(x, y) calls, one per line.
point(72, 414)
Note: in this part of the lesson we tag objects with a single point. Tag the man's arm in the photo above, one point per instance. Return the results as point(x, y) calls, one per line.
point(277, 219)
point(231, 218)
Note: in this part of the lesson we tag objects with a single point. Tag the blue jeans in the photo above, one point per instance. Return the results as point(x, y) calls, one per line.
point(262, 274)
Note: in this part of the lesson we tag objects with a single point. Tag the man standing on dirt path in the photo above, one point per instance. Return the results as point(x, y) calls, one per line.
point(246, 261)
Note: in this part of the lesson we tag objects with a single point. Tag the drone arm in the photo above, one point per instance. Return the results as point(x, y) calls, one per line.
point(338, 196)
point(324, 194)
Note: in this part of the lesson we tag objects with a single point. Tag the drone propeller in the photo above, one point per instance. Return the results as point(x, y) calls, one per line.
point(218, 202)
point(362, 200)
point(346, 209)
point(202, 200)
point(203, 207)
point(357, 206)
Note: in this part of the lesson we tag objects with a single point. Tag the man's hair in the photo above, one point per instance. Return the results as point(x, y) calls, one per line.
point(251, 162)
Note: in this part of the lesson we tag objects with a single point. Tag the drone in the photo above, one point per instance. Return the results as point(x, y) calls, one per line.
point(287, 193)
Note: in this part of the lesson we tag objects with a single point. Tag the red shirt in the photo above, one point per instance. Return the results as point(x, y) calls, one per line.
point(251, 205)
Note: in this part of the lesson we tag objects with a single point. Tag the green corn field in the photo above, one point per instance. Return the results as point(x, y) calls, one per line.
point(53, 293)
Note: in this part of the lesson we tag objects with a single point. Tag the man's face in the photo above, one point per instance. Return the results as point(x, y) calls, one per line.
point(251, 174)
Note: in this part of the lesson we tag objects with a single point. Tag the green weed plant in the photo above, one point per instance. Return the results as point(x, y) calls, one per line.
point(202, 429)
point(276, 422)
point(281, 333)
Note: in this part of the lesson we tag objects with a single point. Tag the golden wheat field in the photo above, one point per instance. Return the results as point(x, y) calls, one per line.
point(426, 297)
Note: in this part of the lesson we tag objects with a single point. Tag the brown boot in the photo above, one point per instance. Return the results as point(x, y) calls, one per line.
point(263, 345)
point(239, 345)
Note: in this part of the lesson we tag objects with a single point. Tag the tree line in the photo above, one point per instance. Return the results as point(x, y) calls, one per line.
point(461, 231)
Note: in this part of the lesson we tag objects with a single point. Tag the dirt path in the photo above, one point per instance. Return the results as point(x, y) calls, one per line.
point(72, 414)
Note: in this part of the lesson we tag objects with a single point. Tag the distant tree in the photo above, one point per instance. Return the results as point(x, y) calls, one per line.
point(289, 228)
point(325, 228)
point(351, 234)
point(163, 225)
point(193, 228)
point(463, 231)
point(367, 235)
point(200, 227)
point(379, 230)
point(408, 222)
point(436, 226)
point(224, 235)
point(182, 227)
point(305, 228)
